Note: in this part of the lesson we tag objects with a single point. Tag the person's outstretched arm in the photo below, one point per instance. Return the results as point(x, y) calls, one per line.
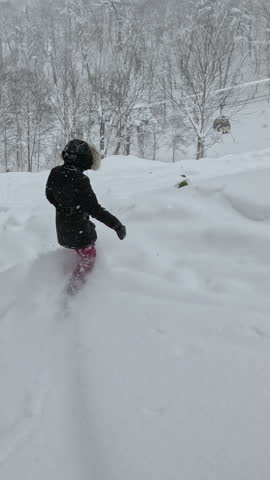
point(89, 203)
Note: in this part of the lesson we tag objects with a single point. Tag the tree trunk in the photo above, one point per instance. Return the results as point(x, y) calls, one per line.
point(140, 136)
point(38, 152)
point(29, 161)
point(127, 149)
point(174, 149)
point(117, 148)
point(200, 148)
point(102, 135)
point(28, 144)
point(155, 145)
point(6, 149)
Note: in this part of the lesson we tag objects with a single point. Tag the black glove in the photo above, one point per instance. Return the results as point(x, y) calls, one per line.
point(121, 232)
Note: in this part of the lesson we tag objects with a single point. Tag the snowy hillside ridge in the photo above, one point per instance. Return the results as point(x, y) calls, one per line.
point(161, 369)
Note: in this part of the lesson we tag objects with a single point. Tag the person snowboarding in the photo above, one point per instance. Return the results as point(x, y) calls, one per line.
point(69, 190)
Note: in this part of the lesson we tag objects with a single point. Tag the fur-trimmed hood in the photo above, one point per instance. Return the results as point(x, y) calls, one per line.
point(82, 155)
point(96, 157)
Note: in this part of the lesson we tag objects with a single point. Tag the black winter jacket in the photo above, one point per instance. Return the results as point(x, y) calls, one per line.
point(69, 190)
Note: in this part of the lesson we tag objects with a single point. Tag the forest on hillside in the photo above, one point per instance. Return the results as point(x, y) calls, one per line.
point(131, 77)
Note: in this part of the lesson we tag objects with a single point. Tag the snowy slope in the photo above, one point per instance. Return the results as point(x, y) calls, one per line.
point(250, 132)
point(161, 370)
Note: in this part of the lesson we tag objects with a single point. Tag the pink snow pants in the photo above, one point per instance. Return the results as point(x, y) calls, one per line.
point(83, 268)
point(86, 263)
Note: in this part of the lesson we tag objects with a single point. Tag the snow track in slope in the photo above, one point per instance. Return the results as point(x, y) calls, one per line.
point(161, 366)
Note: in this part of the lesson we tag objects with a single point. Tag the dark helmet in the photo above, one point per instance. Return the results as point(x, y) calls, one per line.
point(82, 155)
point(78, 153)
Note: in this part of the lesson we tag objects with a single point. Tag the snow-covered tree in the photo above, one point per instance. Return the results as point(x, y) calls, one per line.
point(203, 66)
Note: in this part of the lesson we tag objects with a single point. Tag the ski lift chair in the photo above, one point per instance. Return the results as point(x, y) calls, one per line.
point(222, 125)
point(145, 119)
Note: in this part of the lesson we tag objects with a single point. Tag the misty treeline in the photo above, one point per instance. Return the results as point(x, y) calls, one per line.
point(131, 77)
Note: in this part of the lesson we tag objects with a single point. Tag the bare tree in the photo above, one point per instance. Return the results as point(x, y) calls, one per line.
point(119, 77)
point(203, 66)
